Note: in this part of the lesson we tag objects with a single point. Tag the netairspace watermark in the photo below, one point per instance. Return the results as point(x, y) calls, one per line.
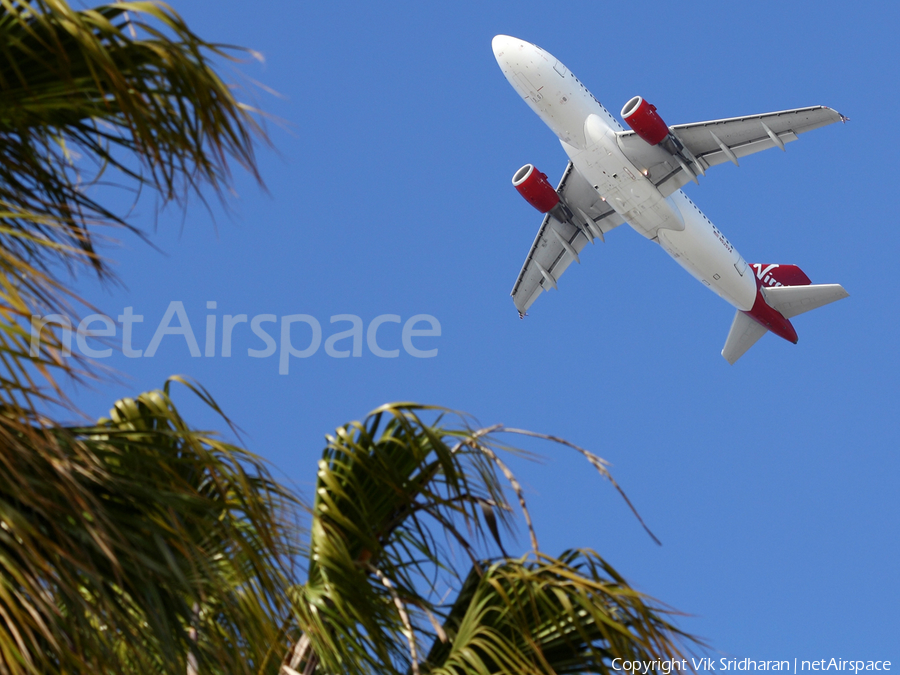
point(794, 665)
point(415, 336)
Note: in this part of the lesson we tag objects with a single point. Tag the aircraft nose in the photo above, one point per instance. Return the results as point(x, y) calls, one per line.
point(502, 43)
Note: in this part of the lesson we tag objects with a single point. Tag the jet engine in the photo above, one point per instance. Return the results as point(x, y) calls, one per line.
point(533, 186)
point(642, 117)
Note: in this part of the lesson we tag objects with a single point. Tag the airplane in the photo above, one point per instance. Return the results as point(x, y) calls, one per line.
point(616, 176)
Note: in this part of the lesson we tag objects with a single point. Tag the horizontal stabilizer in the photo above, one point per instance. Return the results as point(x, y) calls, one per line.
point(743, 334)
point(794, 300)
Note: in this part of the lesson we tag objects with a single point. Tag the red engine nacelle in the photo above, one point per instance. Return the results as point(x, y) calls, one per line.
point(533, 186)
point(641, 116)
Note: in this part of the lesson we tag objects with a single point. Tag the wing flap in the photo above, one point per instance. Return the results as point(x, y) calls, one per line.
point(739, 150)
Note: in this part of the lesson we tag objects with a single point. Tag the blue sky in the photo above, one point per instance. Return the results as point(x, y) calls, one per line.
point(772, 484)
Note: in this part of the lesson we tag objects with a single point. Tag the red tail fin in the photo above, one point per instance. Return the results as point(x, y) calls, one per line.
point(780, 275)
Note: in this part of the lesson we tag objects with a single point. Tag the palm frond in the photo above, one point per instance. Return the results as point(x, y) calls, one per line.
point(128, 545)
point(379, 485)
point(387, 489)
point(542, 615)
point(125, 90)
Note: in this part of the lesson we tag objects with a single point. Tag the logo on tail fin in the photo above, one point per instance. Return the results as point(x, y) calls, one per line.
point(780, 275)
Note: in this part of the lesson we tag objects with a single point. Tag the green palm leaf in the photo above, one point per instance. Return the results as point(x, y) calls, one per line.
point(123, 93)
point(122, 540)
point(400, 503)
point(573, 614)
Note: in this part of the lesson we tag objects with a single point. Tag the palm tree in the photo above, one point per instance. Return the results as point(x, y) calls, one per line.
point(399, 503)
point(124, 94)
point(138, 544)
point(135, 544)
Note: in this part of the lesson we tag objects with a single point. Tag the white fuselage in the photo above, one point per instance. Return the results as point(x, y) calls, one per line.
point(587, 132)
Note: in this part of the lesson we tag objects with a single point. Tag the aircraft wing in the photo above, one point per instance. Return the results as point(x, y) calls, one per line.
point(558, 243)
point(717, 141)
